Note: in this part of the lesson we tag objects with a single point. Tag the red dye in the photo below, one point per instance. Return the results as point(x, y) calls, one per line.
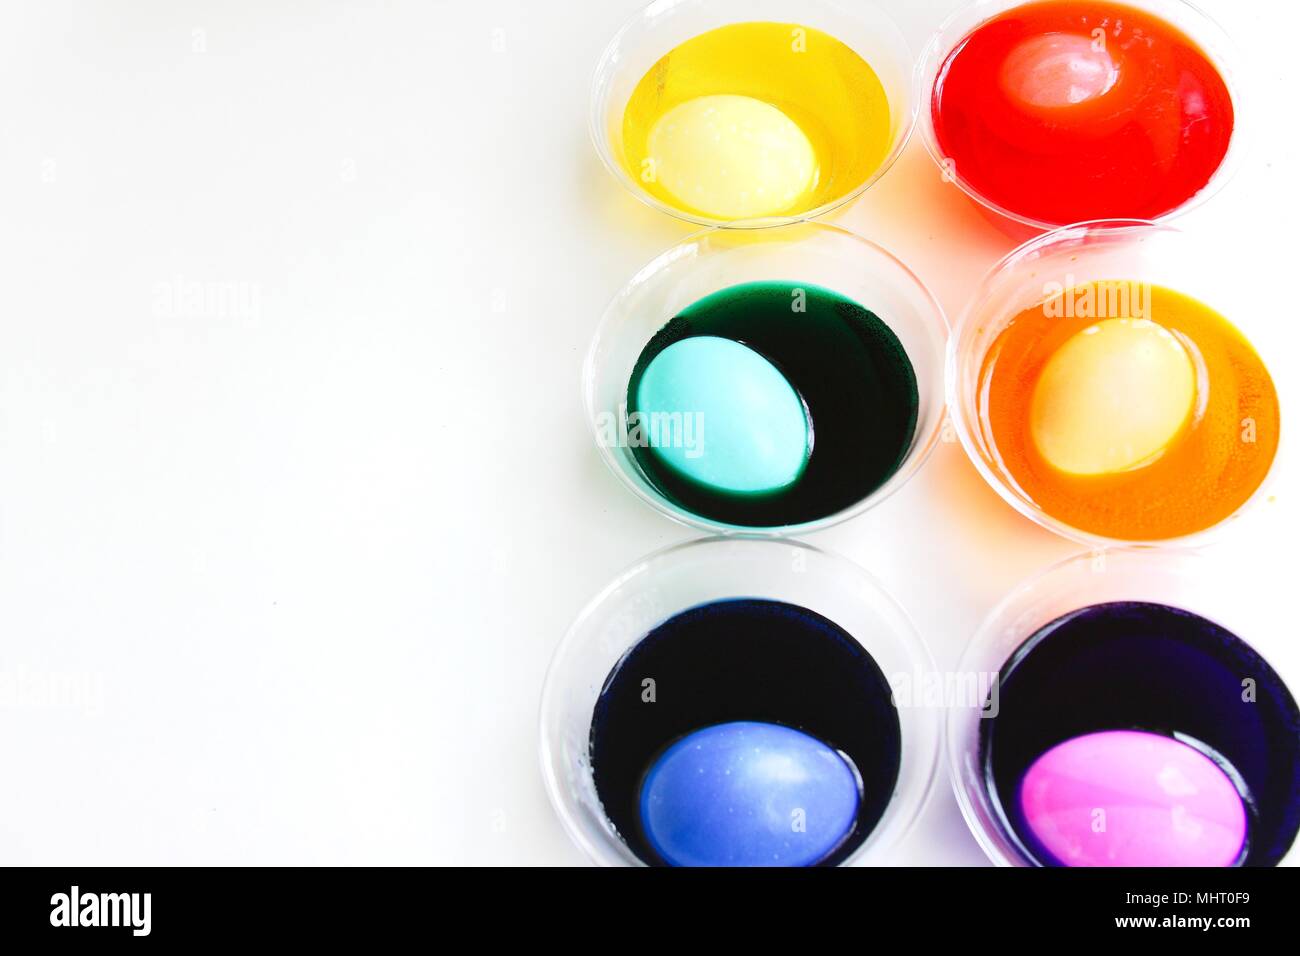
point(1066, 111)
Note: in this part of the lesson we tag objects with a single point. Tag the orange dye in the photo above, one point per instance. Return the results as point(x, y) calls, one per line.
point(1207, 471)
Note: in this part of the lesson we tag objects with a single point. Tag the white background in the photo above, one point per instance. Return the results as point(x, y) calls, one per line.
point(280, 573)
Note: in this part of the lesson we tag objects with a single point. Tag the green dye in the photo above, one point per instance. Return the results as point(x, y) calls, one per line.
point(849, 368)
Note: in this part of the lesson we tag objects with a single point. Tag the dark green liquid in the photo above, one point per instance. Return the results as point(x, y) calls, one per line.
point(847, 365)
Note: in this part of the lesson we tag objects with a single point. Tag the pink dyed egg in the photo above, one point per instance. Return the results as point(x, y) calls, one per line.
point(1127, 798)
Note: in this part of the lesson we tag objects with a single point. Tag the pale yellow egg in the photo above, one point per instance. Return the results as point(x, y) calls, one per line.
point(1112, 397)
point(732, 157)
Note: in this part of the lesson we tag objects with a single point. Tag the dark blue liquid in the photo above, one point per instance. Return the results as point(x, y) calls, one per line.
point(1138, 666)
point(750, 660)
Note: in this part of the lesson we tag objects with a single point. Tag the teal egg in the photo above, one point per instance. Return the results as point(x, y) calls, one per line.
point(721, 415)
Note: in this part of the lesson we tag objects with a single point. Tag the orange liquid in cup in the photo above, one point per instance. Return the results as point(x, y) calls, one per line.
point(1214, 459)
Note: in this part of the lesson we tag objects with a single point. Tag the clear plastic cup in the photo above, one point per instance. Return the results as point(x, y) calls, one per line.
point(1199, 27)
point(701, 572)
point(863, 26)
point(1192, 582)
point(812, 253)
point(1134, 250)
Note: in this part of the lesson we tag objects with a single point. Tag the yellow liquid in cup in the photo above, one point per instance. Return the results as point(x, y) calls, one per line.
point(755, 120)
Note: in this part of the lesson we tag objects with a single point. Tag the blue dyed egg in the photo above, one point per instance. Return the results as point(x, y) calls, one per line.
point(721, 415)
point(748, 794)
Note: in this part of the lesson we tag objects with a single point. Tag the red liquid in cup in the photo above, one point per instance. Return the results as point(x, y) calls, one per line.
point(1066, 111)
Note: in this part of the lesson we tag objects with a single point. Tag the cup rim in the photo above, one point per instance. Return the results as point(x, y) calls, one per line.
point(1184, 566)
point(596, 132)
point(1110, 229)
point(1228, 62)
point(923, 444)
point(908, 636)
point(956, 718)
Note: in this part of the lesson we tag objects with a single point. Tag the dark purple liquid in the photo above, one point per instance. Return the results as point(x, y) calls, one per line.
point(735, 660)
point(1137, 666)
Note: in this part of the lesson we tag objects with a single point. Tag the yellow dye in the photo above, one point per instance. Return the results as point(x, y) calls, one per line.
point(753, 120)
